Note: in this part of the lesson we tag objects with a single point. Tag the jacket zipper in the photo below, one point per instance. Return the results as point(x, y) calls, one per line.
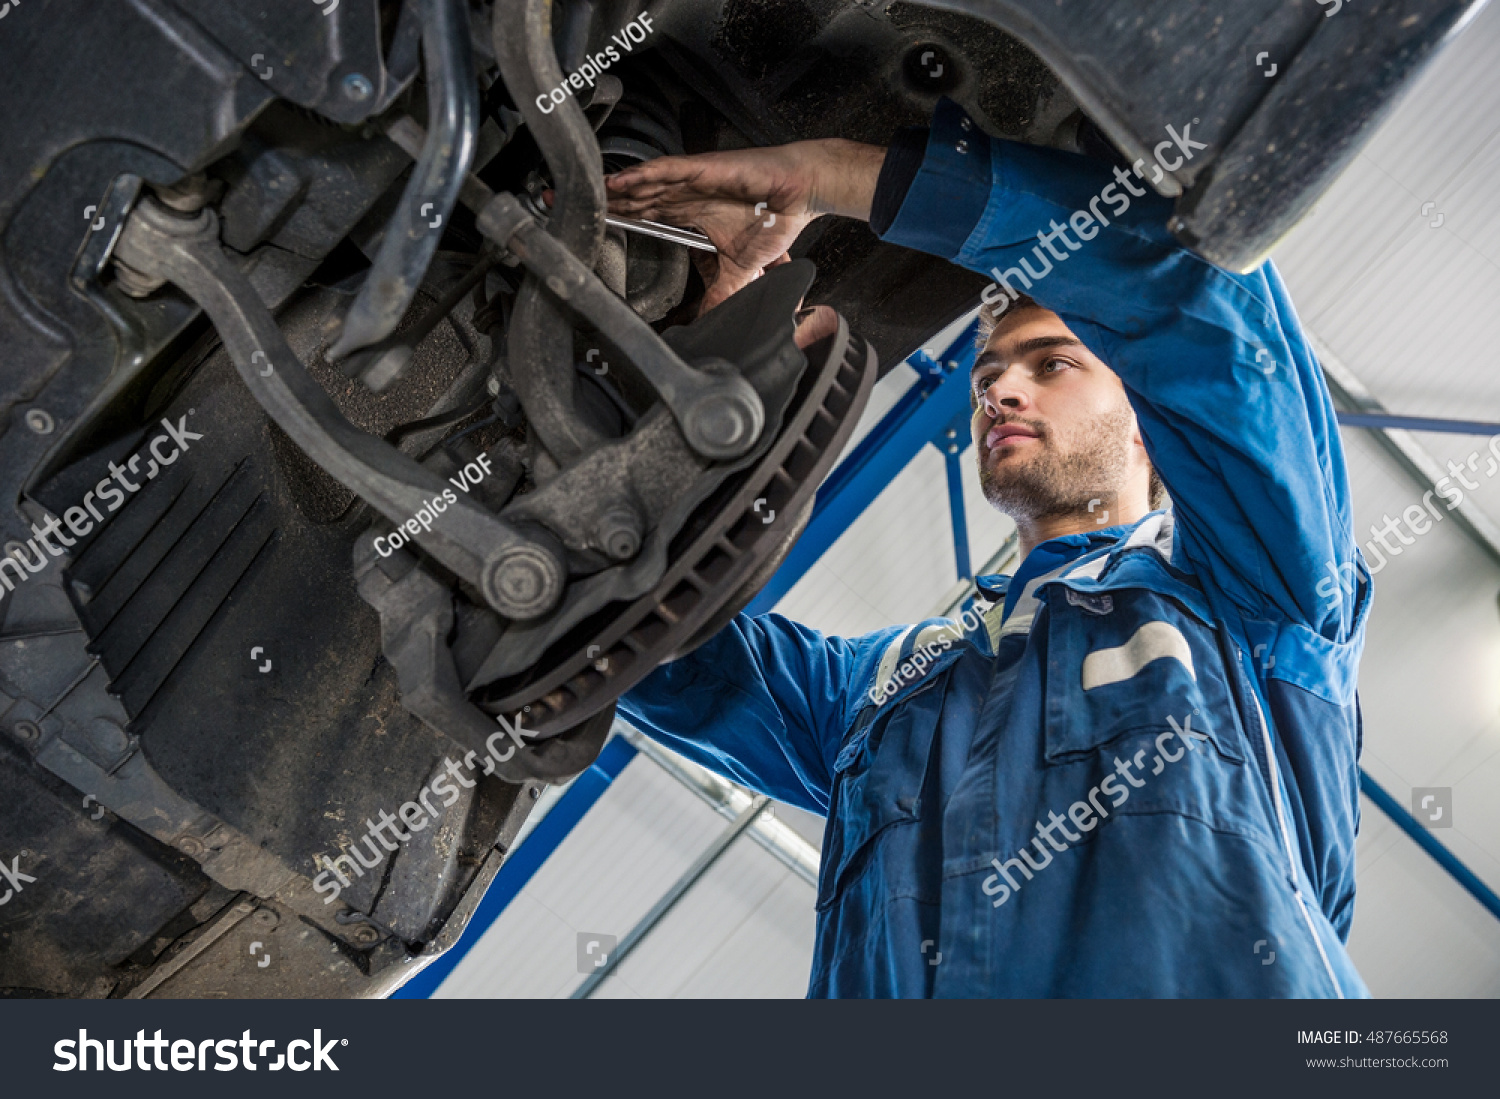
point(1286, 835)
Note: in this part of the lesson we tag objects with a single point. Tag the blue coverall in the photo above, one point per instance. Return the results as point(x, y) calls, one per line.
point(1137, 776)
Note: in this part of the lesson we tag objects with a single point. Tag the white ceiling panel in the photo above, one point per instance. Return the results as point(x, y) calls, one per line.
point(707, 945)
point(1422, 329)
point(768, 955)
point(1332, 253)
point(1430, 678)
point(894, 563)
point(1405, 297)
point(631, 846)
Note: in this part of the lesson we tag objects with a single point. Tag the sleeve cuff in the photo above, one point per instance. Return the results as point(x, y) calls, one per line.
point(903, 159)
point(943, 201)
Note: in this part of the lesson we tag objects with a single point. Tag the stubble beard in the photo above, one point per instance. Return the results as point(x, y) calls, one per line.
point(1049, 485)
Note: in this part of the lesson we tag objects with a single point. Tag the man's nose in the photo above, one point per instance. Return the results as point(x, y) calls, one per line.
point(1004, 394)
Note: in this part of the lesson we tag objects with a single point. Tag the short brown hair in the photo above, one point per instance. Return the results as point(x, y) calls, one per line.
point(989, 317)
point(1156, 492)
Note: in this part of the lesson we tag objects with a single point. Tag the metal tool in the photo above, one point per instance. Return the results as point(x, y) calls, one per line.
point(405, 132)
point(689, 237)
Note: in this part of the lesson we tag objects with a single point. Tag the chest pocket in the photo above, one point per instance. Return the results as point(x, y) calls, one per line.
point(1130, 662)
point(878, 780)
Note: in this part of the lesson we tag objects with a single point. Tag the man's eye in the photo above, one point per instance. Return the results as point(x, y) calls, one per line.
point(1052, 366)
point(982, 383)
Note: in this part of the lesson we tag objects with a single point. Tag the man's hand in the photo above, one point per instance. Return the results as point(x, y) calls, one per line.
point(751, 203)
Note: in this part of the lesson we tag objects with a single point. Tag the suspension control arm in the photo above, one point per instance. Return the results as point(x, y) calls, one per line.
point(720, 414)
point(521, 574)
point(540, 342)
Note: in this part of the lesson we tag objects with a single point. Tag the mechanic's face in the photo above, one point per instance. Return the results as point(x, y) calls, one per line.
point(1053, 429)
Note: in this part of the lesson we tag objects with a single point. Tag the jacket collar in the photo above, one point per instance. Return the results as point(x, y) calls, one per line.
point(1087, 552)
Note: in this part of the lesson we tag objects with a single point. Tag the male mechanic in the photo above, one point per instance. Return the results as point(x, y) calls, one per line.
point(1136, 773)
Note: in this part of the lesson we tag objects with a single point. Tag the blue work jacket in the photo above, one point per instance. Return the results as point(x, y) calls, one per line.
point(1132, 770)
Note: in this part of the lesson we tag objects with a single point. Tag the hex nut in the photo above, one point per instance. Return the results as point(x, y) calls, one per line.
point(28, 730)
point(40, 421)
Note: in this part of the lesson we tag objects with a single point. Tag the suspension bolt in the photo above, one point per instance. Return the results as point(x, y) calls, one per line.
point(726, 420)
point(357, 87)
point(524, 581)
point(187, 196)
point(619, 533)
point(40, 421)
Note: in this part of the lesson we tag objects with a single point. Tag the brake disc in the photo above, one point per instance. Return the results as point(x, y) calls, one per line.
point(725, 543)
